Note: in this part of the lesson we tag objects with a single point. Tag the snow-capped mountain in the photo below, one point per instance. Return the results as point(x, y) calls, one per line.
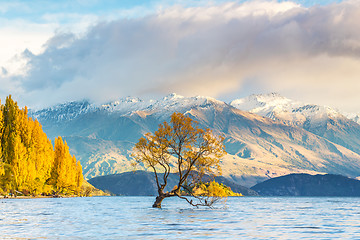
point(124, 107)
point(320, 120)
point(282, 109)
point(102, 136)
point(63, 112)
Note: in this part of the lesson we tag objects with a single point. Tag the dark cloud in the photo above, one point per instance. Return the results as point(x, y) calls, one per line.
point(311, 53)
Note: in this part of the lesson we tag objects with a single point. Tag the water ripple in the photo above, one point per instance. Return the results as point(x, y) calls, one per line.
point(133, 218)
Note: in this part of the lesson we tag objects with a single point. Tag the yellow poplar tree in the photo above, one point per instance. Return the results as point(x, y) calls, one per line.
point(28, 161)
point(10, 143)
point(65, 172)
point(19, 164)
point(2, 170)
point(79, 174)
point(43, 158)
point(23, 165)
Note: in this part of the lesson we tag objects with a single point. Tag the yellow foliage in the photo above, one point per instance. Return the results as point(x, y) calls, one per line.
point(195, 150)
point(1, 133)
point(28, 162)
point(67, 173)
point(213, 189)
point(182, 147)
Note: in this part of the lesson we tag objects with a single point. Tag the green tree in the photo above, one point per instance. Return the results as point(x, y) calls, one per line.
point(180, 146)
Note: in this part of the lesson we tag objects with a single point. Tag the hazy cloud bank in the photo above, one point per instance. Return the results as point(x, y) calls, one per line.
point(311, 54)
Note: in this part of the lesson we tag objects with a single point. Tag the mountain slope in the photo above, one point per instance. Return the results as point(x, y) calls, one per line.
point(258, 147)
point(320, 120)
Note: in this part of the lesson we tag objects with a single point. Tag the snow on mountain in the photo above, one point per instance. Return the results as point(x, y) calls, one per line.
point(353, 116)
point(71, 110)
point(126, 105)
point(63, 112)
point(271, 105)
point(285, 110)
point(320, 120)
point(177, 103)
point(262, 103)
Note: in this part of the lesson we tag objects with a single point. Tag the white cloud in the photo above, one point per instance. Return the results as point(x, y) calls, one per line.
point(211, 50)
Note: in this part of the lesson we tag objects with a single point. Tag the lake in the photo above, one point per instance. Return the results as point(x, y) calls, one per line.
point(133, 218)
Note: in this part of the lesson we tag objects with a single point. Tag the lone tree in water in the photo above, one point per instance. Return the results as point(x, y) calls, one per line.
point(180, 147)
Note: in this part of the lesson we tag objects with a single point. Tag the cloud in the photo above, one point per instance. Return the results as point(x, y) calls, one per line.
point(216, 50)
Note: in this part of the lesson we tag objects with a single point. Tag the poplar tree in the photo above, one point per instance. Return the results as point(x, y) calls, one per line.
point(66, 173)
point(79, 175)
point(2, 170)
point(28, 161)
point(10, 143)
point(43, 158)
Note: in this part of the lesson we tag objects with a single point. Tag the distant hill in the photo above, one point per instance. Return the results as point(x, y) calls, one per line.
point(309, 185)
point(142, 183)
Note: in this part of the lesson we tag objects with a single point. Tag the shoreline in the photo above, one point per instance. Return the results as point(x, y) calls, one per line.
point(34, 197)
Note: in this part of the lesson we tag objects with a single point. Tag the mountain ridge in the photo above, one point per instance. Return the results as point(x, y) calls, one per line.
point(259, 147)
point(320, 120)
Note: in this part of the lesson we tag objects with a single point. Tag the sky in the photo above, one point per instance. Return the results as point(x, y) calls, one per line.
point(58, 51)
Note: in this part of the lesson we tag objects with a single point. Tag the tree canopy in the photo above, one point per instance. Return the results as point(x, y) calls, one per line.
point(183, 148)
point(28, 161)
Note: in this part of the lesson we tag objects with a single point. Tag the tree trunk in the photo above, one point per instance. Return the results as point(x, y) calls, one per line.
point(157, 203)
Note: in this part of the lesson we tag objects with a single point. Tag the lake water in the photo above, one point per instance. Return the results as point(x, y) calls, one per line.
point(133, 218)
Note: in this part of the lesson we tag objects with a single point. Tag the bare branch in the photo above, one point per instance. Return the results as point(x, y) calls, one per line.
point(156, 177)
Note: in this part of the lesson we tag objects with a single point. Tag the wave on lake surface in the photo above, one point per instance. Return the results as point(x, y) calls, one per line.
point(133, 218)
